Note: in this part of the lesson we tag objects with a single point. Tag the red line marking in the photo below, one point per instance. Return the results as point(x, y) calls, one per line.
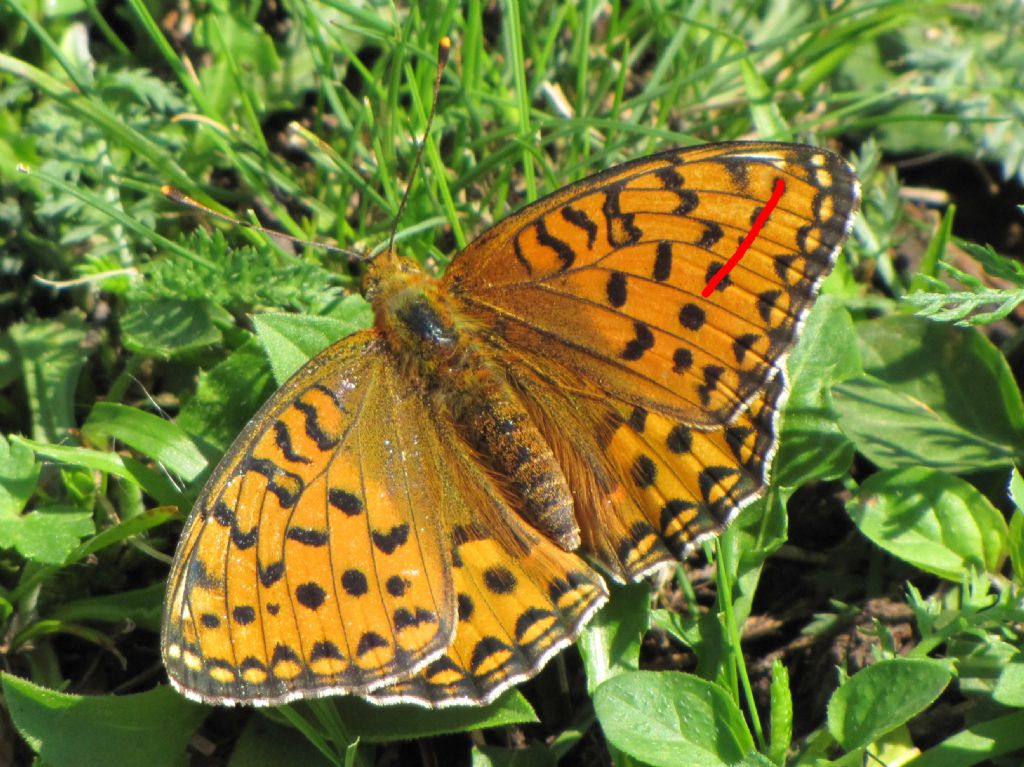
point(762, 218)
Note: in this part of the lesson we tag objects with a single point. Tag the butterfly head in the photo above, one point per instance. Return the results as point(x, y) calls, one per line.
point(408, 307)
point(388, 272)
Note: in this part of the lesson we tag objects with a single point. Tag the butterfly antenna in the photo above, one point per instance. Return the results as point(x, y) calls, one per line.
point(176, 195)
point(444, 47)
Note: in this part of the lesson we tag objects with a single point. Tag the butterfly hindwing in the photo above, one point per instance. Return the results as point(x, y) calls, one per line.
point(313, 562)
point(520, 597)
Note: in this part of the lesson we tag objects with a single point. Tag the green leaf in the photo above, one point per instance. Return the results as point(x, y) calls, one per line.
point(143, 607)
point(934, 396)
point(1009, 689)
point(980, 660)
point(764, 112)
point(812, 444)
point(670, 719)
point(937, 522)
point(375, 724)
point(47, 535)
point(864, 707)
point(291, 339)
point(151, 728)
point(534, 755)
point(1017, 525)
point(610, 644)
point(227, 396)
point(125, 529)
point(781, 714)
point(52, 353)
point(156, 438)
point(169, 327)
point(981, 743)
point(109, 537)
point(267, 744)
point(18, 475)
point(702, 633)
point(158, 486)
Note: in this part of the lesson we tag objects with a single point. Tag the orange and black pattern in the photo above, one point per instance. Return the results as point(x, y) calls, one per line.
point(422, 512)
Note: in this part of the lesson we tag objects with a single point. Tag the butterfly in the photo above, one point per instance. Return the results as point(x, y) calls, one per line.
point(427, 511)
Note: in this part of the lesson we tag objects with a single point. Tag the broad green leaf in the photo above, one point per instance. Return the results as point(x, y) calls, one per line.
point(267, 744)
point(755, 759)
point(610, 644)
point(703, 634)
point(151, 728)
point(291, 339)
point(112, 535)
point(48, 534)
point(168, 327)
point(981, 660)
point(52, 353)
point(812, 445)
point(227, 396)
point(18, 475)
point(864, 707)
point(935, 521)
point(1009, 689)
point(934, 395)
point(374, 724)
point(898, 430)
point(669, 719)
point(156, 438)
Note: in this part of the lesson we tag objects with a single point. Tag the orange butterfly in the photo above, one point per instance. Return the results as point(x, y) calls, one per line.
point(418, 513)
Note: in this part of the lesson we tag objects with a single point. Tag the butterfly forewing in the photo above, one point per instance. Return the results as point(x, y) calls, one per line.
point(605, 276)
point(597, 291)
point(313, 562)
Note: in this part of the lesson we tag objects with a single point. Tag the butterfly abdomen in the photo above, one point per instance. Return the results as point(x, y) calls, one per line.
point(493, 421)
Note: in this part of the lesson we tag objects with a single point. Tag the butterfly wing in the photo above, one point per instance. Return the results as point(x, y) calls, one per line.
point(314, 561)
point(605, 276)
point(520, 597)
point(661, 404)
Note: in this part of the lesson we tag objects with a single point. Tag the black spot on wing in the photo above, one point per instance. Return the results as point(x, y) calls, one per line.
point(283, 440)
point(388, 542)
point(270, 574)
point(562, 250)
point(642, 341)
point(615, 289)
point(371, 640)
point(310, 595)
point(325, 650)
point(345, 502)
point(354, 582)
point(307, 536)
point(663, 261)
point(580, 219)
point(691, 317)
